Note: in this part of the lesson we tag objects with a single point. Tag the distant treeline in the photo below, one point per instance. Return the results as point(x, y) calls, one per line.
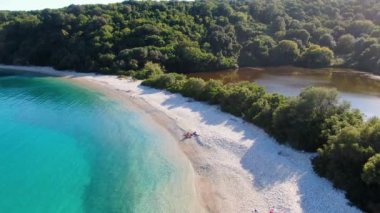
point(195, 36)
point(315, 121)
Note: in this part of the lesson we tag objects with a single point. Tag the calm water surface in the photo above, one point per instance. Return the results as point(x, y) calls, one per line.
point(362, 91)
point(64, 148)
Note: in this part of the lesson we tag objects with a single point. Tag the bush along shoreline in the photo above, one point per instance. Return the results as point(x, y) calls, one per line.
point(347, 146)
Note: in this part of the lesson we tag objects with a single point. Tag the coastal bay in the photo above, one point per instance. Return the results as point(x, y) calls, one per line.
point(237, 166)
point(66, 147)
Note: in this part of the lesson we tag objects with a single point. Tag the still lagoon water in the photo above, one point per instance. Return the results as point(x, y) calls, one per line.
point(64, 148)
point(361, 90)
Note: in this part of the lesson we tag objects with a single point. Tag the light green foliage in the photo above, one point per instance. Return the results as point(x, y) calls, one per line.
point(171, 81)
point(212, 91)
point(286, 52)
point(150, 70)
point(371, 170)
point(345, 44)
point(371, 134)
point(193, 87)
point(316, 56)
point(238, 97)
point(261, 112)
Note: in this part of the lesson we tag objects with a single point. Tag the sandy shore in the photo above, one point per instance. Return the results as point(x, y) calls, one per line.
point(238, 167)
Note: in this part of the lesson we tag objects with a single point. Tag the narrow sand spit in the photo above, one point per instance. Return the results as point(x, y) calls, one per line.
point(239, 167)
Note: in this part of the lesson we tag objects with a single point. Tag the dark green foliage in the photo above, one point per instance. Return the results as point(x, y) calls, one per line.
point(327, 40)
point(342, 161)
point(340, 120)
point(191, 36)
point(300, 35)
point(369, 58)
point(212, 91)
point(360, 27)
point(261, 112)
point(351, 161)
point(244, 93)
point(300, 121)
point(256, 52)
point(189, 57)
point(193, 87)
point(348, 147)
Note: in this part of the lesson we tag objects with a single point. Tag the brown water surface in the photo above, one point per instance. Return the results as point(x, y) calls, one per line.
point(360, 89)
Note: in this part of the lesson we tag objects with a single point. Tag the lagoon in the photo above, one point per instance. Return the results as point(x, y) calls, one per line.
point(361, 90)
point(66, 148)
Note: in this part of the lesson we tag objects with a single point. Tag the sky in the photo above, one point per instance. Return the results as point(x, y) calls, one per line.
point(42, 4)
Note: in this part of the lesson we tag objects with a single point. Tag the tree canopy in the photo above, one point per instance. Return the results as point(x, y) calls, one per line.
point(190, 36)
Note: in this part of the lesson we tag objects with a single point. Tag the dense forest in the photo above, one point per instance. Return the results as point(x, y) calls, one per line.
point(144, 38)
point(195, 36)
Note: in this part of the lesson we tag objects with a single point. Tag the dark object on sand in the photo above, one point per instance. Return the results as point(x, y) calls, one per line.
point(189, 135)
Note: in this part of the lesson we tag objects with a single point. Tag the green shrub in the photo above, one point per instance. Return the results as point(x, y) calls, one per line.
point(261, 112)
point(348, 162)
point(316, 56)
point(371, 170)
point(285, 53)
point(193, 87)
point(237, 98)
point(212, 91)
point(371, 134)
point(172, 82)
point(300, 121)
point(150, 70)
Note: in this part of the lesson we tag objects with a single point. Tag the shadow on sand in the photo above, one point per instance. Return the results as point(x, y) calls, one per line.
point(270, 163)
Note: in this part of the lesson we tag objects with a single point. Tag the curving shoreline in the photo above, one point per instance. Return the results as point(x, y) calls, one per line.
point(237, 166)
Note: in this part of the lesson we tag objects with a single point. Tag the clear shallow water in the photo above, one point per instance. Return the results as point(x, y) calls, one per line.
point(64, 148)
point(359, 89)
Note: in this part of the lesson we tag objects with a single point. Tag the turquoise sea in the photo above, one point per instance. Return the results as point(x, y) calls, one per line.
point(65, 148)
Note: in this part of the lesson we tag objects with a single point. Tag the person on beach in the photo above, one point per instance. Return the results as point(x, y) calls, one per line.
point(188, 135)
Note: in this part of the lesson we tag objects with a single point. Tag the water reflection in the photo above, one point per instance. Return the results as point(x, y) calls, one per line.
point(360, 89)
